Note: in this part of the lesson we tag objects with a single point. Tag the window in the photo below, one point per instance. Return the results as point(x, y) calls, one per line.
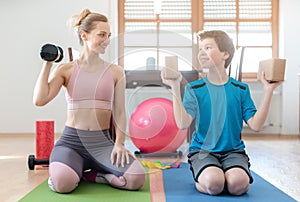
point(152, 29)
point(252, 24)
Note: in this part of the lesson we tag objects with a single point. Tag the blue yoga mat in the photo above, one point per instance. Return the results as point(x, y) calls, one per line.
point(179, 187)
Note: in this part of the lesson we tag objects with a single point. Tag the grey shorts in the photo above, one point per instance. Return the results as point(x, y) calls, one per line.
point(199, 160)
point(82, 150)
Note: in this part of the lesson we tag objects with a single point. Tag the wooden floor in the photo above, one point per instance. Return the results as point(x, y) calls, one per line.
point(275, 158)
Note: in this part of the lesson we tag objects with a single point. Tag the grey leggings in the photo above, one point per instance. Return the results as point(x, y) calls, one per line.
point(81, 150)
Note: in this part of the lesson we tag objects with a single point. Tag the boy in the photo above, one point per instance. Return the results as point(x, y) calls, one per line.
point(219, 104)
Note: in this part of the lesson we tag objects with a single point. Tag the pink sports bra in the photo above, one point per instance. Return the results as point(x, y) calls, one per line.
point(90, 90)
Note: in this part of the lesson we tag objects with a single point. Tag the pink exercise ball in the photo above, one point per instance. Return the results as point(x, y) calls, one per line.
point(153, 128)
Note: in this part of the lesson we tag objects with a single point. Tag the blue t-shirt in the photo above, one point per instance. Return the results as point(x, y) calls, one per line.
point(219, 111)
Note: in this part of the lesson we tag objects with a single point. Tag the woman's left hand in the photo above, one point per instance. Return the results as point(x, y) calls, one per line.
point(120, 155)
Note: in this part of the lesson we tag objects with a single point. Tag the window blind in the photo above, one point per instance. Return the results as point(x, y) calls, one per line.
point(255, 9)
point(176, 9)
point(134, 9)
point(168, 9)
point(242, 9)
point(217, 9)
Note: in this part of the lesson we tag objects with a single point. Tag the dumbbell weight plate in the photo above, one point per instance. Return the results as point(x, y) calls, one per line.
point(61, 54)
point(49, 52)
point(31, 160)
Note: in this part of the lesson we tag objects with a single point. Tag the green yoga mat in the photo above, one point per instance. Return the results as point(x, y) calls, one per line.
point(89, 192)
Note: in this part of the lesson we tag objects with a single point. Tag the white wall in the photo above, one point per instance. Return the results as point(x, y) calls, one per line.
point(26, 25)
point(290, 49)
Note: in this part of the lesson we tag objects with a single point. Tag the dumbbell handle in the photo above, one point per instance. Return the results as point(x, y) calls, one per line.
point(41, 161)
point(32, 161)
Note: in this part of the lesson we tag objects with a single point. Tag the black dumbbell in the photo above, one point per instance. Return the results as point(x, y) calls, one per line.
point(32, 161)
point(51, 53)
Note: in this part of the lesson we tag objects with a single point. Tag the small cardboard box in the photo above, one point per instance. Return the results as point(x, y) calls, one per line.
point(274, 69)
point(171, 67)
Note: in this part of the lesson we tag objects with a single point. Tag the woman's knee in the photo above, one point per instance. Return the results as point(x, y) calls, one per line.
point(134, 181)
point(135, 176)
point(63, 179)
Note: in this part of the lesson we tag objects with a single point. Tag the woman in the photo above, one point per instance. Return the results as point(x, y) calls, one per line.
point(95, 95)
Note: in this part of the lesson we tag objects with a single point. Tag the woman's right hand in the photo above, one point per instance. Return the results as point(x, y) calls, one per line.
point(47, 64)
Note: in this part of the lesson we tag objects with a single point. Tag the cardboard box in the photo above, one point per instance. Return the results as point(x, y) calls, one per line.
point(171, 67)
point(274, 69)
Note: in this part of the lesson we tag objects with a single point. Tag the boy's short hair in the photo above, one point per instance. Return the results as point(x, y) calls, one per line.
point(223, 41)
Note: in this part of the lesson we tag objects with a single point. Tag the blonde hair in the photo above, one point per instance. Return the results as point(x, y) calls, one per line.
point(85, 21)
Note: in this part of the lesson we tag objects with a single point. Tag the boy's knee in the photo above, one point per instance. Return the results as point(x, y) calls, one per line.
point(238, 189)
point(215, 187)
point(211, 185)
point(237, 182)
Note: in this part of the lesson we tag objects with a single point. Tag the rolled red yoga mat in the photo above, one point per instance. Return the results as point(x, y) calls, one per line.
point(44, 143)
point(44, 139)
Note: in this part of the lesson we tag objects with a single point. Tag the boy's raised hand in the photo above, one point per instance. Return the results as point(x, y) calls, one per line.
point(269, 85)
point(170, 82)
